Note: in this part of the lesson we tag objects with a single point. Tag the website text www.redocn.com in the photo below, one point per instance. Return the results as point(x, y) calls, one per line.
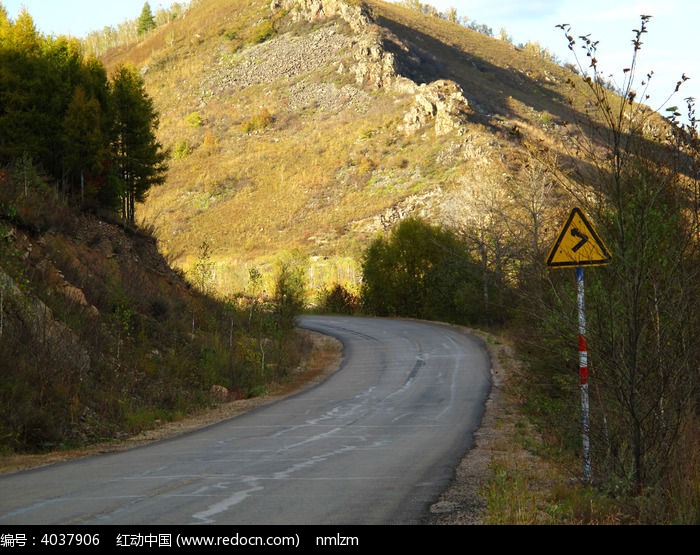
point(237, 540)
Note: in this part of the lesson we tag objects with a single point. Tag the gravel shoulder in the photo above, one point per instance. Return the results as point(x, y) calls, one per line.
point(461, 503)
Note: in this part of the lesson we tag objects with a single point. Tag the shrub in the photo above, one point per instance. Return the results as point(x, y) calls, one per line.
point(262, 32)
point(182, 149)
point(423, 271)
point(194, 119)
point(339, 300)
point(259, 121)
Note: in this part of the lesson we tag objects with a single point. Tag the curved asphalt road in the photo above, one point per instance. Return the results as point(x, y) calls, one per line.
point(376, 443)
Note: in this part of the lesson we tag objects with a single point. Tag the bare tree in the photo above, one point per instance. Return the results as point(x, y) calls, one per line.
point(623, 168)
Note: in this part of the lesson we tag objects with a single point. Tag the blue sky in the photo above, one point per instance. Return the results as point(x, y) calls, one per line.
point(78, 17)
point(668, 48)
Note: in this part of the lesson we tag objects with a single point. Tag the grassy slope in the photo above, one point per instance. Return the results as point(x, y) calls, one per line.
point(316, 179)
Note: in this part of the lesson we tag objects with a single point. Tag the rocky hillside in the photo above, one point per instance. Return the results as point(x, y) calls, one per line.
point(101, 338)
point(304, 127)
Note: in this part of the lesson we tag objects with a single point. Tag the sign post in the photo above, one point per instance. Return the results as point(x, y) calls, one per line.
point(583, 375)
point(579, 245)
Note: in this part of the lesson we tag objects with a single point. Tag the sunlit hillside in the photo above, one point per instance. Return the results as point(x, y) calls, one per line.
point(303, 136)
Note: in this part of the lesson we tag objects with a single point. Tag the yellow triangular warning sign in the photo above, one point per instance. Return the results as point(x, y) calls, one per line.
point(578, 244)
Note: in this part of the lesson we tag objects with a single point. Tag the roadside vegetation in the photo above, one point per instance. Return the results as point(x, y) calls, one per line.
point(99, 336)
point(637, 178)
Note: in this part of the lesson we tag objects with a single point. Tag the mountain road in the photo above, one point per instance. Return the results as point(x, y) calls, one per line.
point(375, 443)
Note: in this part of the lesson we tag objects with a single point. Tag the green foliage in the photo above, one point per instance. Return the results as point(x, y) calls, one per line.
point(139, 157)
point(338, 300)
point(289, 295)
point(11, 261)
point(182, 149)
point(546, 120)
point(641, 316)
point(84, 143)
point(203, 271)
point(262, 32)
point(25, 174)
point(194, 119)
point(257, 122)
point(509, 499)
point(60, 111)
point(422, 271)
point(146, 20)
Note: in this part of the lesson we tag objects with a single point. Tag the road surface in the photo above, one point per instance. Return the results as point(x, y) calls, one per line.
point(376, 443)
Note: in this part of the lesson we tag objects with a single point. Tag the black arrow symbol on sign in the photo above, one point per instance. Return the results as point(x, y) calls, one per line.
point(584, 239)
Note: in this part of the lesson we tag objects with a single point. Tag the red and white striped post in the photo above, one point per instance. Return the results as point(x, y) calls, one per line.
point(583, 375)
point(579, 245)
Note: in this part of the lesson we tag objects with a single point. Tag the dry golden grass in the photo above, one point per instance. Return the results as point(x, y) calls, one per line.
point(257, 174)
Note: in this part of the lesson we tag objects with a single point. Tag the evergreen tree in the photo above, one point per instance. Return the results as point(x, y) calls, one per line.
point(139, 157)
point(146, 21)
point(82, 138)
point(23, 34)
point(5, 26)
point(95, 138)
point(20, 86)
point(60, 72)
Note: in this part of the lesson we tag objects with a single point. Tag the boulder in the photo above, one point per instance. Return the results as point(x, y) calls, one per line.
point(441, 103)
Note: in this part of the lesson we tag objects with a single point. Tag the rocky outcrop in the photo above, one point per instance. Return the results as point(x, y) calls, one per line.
point(354, 13)
point(441, 103)
point(43, 331)
point(375, 64)
point(421, 205)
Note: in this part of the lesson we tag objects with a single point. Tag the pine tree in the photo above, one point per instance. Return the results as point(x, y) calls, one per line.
point(82, 138)
point(146, 21)
point(139, 157)
point(5, 26)
point(23, 33)
point(20, 88)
